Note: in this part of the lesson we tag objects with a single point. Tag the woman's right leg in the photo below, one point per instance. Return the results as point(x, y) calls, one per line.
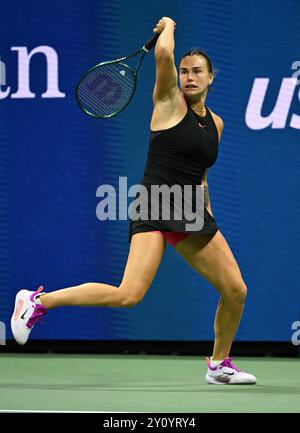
point(145, 254)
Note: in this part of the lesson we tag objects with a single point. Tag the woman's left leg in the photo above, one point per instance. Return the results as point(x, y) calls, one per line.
point(211, 256)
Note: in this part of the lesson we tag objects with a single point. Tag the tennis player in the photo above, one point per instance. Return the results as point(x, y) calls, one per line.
point(184, 140)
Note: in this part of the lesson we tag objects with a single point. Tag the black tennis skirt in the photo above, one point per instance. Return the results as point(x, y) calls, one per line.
point(141, 226)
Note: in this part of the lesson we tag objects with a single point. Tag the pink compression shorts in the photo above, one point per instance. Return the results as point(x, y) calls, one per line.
point(172, 237)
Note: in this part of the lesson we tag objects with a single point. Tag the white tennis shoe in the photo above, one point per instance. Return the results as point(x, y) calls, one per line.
point(227, 373)
point(28, 310)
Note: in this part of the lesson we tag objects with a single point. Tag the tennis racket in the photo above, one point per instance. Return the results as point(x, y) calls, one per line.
point(107, 88)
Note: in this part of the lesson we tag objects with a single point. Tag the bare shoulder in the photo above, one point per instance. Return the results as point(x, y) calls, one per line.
point(219, 122)
point(217, 119)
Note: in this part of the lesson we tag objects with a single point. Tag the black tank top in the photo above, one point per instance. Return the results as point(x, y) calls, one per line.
point(179, 156)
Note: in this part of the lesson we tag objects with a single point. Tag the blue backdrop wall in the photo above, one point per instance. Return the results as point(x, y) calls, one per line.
point(53, 158)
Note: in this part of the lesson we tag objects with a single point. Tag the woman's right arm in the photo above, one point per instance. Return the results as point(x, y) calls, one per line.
point(166, 73)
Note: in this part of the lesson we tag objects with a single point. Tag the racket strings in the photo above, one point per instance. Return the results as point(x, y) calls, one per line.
point(106, 89)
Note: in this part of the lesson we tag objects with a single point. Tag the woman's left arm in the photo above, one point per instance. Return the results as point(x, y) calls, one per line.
point(220, 125)
point(206, 193)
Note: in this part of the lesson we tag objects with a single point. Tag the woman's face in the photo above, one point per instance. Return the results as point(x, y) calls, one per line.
point(194, 76)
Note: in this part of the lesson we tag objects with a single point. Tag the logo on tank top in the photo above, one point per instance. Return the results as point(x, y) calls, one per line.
point(202, 126)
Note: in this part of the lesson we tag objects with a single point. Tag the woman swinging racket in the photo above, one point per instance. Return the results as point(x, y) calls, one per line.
point(183, 144)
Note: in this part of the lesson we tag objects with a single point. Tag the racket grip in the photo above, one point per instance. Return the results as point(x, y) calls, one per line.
point(151, 42)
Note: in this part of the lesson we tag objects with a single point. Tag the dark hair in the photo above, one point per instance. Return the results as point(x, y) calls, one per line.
point(198, 51)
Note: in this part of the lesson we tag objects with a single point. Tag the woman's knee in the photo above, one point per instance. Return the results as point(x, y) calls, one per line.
point(129, 296)
point(236, 294)
point(241, 293)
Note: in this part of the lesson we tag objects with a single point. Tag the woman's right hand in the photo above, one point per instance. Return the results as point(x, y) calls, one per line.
point(162, 24)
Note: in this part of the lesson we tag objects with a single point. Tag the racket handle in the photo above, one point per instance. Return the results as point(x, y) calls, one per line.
point(151, 42)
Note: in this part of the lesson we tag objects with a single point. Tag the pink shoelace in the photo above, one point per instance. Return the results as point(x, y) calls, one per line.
point(228, 363)
point(37, 314)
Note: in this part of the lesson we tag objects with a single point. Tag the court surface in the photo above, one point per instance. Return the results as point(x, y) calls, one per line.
point(142, 383)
